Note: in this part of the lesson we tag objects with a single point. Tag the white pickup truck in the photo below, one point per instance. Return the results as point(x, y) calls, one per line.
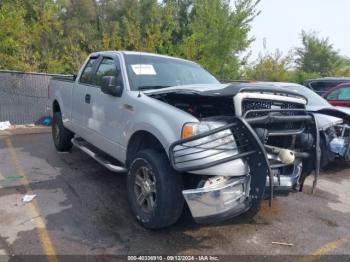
point(182, 137)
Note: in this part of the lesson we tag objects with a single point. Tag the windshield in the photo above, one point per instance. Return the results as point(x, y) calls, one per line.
point(313, 98)
point(154, 72)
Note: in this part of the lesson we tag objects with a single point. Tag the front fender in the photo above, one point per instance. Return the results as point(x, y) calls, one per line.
point(162, 120)
point(162, 131)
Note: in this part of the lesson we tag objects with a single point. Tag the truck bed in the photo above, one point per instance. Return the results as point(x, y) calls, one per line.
point(61, 88)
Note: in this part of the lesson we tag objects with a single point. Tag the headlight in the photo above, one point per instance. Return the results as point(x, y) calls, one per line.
point(219, 140)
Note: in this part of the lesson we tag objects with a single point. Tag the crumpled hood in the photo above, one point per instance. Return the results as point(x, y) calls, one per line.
point(229, 89)
point(197, 88)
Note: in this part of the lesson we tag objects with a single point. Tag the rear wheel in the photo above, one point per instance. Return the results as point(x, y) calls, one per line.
point(61, 135)
point(154, 190)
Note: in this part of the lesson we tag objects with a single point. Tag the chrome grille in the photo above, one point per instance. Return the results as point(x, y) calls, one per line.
point(255, 104)
point(252, 108)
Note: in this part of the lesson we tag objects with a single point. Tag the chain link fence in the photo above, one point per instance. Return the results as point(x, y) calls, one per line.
point(23, 96)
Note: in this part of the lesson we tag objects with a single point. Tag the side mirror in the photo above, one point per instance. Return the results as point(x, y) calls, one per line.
point(111, 86)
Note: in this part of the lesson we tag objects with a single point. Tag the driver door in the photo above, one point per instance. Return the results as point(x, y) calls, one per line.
point(104, 114)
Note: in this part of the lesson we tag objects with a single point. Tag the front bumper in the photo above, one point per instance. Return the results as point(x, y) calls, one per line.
point(221, 201)
point(243, 170)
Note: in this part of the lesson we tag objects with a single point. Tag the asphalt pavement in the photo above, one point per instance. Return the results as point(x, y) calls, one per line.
point(81, 208)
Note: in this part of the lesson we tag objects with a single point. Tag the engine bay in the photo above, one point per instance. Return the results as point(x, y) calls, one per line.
point(199, 106)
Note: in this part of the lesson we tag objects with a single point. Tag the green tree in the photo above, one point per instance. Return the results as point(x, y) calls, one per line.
point(270, 67)
point(56, 35)
point(317, 55)
point(82, 32)
point(342, 68)
point(45, 33)
point(13, 37)
point(181, 16)
point(218, 34)
point(170, 27)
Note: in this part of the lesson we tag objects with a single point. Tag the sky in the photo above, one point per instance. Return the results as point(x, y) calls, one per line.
point(281, 22)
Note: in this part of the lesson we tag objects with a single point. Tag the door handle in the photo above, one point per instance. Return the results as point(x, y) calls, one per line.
point(87, 98)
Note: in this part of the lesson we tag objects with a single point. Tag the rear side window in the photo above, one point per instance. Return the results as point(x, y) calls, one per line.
point(334, 95)
point(340, 94)
point(107, 68)
point(86, 75)
point(321, 87)
point(345, 93)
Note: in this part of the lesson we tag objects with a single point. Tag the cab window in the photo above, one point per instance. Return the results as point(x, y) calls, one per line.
point(107, 67)
point(86, 74)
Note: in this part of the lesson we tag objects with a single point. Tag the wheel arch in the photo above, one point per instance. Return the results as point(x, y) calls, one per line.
point(140, 140)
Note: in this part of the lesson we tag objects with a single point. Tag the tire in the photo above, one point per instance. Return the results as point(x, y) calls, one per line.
point(61, 136)
point(162, 186)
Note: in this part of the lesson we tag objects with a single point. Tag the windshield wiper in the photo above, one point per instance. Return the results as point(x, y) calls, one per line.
point(152, 87)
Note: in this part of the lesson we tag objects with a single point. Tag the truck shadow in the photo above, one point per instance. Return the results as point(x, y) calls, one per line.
point(336, 166)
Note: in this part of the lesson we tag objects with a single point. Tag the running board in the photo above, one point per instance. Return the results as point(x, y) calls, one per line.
point(84, 146)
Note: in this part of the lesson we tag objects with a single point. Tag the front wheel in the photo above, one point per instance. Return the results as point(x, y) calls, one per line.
point(61, 135)
point(154, 190)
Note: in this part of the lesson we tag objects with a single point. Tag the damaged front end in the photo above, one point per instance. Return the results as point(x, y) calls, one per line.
point(222, 197)
point(268, 145)
point(291, 140)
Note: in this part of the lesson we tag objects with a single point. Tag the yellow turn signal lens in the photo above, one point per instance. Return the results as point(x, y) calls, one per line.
point(187, 131)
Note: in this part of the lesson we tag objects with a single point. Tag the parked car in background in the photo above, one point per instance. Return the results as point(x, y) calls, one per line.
point(339, 95)
point(322, 85)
